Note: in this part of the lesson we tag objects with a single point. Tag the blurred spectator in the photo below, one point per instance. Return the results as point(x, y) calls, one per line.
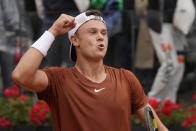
point(34, 14)
point(58, 54)
point(111, 12)
point(14, 37)
point(10, 30)
point(40, 8)
point(144, 57)
point(189, 80)
point(169, 46)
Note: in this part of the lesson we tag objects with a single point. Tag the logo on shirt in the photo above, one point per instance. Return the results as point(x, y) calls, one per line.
point(95, 90)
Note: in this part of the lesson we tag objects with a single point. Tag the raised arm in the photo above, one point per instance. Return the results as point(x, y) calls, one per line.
point(27, 73)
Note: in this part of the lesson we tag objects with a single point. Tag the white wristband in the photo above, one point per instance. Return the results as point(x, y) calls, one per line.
point(44, 43)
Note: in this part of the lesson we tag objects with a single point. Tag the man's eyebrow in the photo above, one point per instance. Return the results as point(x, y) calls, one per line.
point(94, 28)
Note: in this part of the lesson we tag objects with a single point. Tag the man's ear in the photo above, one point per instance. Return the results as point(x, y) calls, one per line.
point(74, 40)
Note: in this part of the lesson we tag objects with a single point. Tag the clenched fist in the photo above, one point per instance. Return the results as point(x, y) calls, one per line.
point(62, 25)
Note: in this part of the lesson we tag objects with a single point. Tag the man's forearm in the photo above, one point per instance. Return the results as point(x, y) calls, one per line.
point(140, 114)
point(161, 126)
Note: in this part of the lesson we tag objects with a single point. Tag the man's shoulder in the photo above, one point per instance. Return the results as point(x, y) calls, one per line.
point(56, 69)
point(57, 73)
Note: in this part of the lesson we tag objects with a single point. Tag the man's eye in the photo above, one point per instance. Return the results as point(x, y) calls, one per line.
point(92, 32)
point(104, 33)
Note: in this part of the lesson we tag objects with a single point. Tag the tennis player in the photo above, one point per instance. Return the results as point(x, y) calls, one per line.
point(89, 96)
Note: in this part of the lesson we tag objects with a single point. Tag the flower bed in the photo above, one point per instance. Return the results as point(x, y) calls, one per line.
point(190, 117)
point(17, 110)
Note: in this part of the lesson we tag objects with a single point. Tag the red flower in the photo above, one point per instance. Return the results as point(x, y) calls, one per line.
point(154, 103)
point(4, 122)
point(168, 103)
point(166, 111)
point(179, 107)
point(191, 109)
point(8, 93)
point(187, 123)
point(193, 118)
point(15, 90)
point(46, 107)
point(38, 113)
point(34, 118)
point(37, 108)
point(42, 116)
point(194, 97)
point(22, 98)
point(169, 107)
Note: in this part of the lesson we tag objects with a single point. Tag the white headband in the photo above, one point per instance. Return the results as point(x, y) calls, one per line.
point(81, 19)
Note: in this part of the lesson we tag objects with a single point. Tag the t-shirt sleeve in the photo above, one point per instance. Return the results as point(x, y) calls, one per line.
point(138, 97)
point(51, 92)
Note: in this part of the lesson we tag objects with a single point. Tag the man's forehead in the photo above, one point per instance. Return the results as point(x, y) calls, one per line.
point(81, 19)
point(96, 24)
point(95, 28)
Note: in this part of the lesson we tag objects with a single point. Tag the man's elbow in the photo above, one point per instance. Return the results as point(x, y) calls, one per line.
point(15, 76)
point(19, 79)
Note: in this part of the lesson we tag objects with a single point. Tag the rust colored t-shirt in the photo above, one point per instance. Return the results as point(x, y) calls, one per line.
point(78, 104)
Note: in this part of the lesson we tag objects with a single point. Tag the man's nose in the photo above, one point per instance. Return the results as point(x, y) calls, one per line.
point(100, 36)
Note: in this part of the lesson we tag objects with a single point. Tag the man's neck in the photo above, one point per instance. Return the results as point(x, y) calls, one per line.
point(93, 71)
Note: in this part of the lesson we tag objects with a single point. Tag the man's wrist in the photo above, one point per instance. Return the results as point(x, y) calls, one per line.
point(52, 31)
point(44, 42)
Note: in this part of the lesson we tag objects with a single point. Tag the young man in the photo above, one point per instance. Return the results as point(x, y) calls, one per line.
point(89, 96)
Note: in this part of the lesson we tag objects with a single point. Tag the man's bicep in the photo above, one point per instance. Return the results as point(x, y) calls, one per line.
point(39, 82)
point(139, 98)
